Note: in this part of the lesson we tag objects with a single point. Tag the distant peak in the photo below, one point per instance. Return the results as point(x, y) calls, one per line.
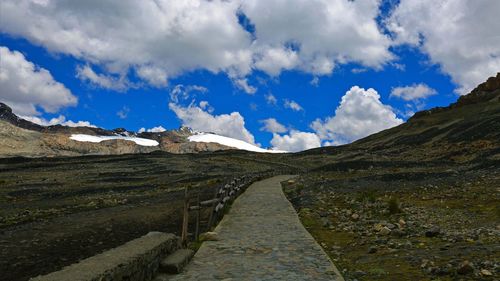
point(5, 108)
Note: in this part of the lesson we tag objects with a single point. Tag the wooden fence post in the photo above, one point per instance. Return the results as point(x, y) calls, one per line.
point(197, 229)
point(185, 218)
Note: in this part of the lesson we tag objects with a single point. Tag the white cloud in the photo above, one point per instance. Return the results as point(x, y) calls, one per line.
point(155, 76)
point(60, 120)
point(123, 113)
point(275, 60)
point(460, 35)
point(323, 33)
point(25, 86)
point(295, 141)
point(157, 39)
point(271, 99)
point(160, 40)
point(360, 113)
point(206, 106)
point(271, 125)
point(293, 105)
point(181, 92)
point(413, 92)
point(242, 84)
point(315, 81)
point(229, 125)
point(87, 74)
point(358, 70)
point(157, 129)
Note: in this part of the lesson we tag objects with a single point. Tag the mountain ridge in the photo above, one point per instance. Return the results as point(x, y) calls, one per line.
point(472, 122)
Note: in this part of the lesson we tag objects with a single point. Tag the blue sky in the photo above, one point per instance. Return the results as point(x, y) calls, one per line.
point(239, 60)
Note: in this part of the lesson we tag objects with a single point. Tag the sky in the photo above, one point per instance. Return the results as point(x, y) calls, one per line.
point(289, 75)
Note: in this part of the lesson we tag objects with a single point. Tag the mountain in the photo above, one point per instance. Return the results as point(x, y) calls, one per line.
point(19, 137)
point(239, 144)
point(465, 131)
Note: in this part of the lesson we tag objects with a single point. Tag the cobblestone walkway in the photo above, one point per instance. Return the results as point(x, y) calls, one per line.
point(261, 238)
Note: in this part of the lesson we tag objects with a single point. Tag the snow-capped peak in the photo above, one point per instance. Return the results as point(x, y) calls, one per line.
point(238, 144)
point(97, 139)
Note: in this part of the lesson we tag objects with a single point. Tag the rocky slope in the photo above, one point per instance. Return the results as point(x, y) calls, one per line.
point(19, 137)
point(467, 131)
point(415, 202)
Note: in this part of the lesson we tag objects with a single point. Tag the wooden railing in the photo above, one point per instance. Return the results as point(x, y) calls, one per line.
point(223, 198)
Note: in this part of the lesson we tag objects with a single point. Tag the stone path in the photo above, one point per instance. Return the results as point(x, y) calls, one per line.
point(261, 238)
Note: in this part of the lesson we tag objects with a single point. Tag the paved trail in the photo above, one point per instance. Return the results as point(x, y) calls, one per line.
point(261, 238)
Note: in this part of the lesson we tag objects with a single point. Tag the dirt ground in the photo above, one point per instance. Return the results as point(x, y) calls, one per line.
point(57, 211)
point(415, 223)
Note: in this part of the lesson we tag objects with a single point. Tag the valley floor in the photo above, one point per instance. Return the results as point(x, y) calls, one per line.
point(376, 220)
point(57, 211)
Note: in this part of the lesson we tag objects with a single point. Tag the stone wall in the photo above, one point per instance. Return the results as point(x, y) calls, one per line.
point(138, 259)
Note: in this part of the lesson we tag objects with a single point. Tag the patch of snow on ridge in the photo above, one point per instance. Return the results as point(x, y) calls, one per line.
point(96, 139)
point(239, 144)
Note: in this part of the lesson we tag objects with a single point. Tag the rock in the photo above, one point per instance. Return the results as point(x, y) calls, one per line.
point(325, 222)
point(359, 273)
point(377, 227)
point(384, 231)
point(355, 216)
point(209, 236)
point(465, 267)
point(372, 250)
point(390, 226)
point(397, 233)
point(432, 232)
point(485, 272)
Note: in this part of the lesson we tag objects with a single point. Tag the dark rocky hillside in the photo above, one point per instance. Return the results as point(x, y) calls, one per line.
point(416, 202)
point(467, 131)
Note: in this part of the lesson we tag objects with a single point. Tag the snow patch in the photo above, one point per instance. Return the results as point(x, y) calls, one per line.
point(97, 139)
point(239, 144)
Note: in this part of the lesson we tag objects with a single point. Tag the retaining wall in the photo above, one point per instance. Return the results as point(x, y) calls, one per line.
point(138, 259)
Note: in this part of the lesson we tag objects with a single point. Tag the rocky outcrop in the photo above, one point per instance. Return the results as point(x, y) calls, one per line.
point(485, 92)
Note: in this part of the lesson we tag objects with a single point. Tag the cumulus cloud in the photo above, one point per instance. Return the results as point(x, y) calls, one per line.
point(117, 83)
point(293, 105)
point(274, 60)
point(229, 125)
point(271, 125)
point(160, 40)
point(181, 92)
point(24, 86)
point(413, 92)
point(360, 113)
point(206, 106)
point(157, 39)
point(321, 33)
point(157, 129)
point(242, 84)
point(295, 141)
point(460, 35)
point(60, 120)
